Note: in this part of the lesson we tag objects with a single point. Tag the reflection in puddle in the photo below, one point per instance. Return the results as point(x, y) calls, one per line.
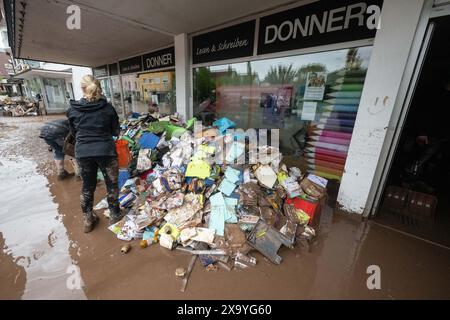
point(34, 236)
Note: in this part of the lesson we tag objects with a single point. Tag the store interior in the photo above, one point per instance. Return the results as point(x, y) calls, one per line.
point(416, 195)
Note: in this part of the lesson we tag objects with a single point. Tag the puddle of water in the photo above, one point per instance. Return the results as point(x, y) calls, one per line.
point(35, 237)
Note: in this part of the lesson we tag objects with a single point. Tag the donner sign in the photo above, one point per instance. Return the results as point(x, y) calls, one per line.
point(319, 23)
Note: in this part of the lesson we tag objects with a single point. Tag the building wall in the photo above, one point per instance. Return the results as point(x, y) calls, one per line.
point(155, 81)
point(4, 59)
point(77, 74)
point(399, 20)
point(4, 45)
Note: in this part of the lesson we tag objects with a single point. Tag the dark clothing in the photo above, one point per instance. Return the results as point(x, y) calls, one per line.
point(88, 170)
point(93, 124)
point(57, 149)
point(56, 131)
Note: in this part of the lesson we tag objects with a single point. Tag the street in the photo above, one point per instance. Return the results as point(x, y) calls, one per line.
point(43, 247)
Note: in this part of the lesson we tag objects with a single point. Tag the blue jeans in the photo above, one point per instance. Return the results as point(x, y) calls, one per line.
point(58, 153)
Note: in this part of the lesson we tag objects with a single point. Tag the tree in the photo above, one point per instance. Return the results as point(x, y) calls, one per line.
point(204, 84)
point(303, 71)
point(353, 60)
point(281, 74)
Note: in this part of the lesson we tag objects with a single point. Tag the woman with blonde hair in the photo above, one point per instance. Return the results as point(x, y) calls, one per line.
point(93, 122)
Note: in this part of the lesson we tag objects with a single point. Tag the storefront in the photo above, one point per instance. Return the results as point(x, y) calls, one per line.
point(54, 87)
point(410, 189)
point(258, 74)
point(333, 76)
point(133, 84)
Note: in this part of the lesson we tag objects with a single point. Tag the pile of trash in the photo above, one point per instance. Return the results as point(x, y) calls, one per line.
point(175, 194)
point(17, 107)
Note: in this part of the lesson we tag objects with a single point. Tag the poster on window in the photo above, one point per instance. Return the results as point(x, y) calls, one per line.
point(315, 85)
point(309, 111)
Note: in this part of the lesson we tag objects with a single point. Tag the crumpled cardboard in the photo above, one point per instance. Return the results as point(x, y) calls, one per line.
point(266, 176)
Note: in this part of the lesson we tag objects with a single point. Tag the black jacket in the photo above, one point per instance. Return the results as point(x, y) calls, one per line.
point(56, 130)
point(93, 124)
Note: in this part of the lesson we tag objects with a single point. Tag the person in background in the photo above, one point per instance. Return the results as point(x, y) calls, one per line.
point(153, 110)
point(54, 132)
point(93, 122)
point(41, 105)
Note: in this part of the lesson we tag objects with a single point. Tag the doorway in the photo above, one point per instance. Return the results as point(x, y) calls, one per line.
point(416, 198)
point(55, 90)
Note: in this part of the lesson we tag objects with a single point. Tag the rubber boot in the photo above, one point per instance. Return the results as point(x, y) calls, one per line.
point(90, 220)
point(62, 173)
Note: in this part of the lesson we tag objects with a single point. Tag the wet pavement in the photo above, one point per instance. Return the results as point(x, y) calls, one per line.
point(43, 248)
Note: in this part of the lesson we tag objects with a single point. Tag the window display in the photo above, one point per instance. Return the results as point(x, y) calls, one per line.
point(313, 99)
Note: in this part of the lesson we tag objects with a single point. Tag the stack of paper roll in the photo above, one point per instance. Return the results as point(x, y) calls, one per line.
point(329, 136)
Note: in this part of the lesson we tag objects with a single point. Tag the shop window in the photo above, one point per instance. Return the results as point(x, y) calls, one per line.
point(313, 99)
point(106, 88)
point(55, 90)
point(159, 88)
point(116, 96)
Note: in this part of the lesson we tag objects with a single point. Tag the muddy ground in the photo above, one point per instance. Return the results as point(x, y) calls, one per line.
point(42, 247)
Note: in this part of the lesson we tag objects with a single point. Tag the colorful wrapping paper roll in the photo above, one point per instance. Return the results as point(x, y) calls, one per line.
point(327, 175)
point(340, 108)
point(345, 94)
point(332, 134)
point(345, 101)
point(327, 152)
point(318, 156)
point(338, 115)
point(333, 128)
point(349, 80)
point(325, 169)
point(328, 146)
point(327, 164)
point(348, 87)
point(326, 139)
point(338, 122)
point(351, 73)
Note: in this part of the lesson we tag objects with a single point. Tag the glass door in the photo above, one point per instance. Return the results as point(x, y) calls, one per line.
point(106, 87)
point(133, 99)
point(414, 195)
point(55, 89)
point(116, 95)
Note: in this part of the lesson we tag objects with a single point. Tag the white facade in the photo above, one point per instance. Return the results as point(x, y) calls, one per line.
point(77, 74)
point(386, 69)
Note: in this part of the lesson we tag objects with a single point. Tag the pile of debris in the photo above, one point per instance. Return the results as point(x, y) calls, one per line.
point(18, 107)
point(177, 195)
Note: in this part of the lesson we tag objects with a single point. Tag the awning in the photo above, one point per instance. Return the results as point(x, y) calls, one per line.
point(33, 73)
point(115, 29)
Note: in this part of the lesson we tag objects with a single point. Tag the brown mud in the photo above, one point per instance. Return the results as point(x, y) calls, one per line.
point(41, 239)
